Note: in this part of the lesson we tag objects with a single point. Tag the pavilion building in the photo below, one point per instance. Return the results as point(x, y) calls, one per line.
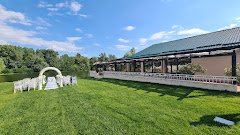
point(214, 51)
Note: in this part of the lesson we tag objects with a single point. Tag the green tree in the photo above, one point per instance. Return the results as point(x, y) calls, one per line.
point(2, 65)
point(130, 53)
point(29, 58)
point(39, 64)
point(66, 62)
point(50, 56)
point(21, 60)
point(112, 57)
point(103, 57)
point(82, 62)
point(92, 61)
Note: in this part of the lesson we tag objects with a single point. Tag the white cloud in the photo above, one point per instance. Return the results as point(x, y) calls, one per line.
point(123, 40)
point(229, 26)
point(238, 19)
point(62, 5)
point(96, 44)
point(158, 35)
point(166, 1)
point(78, 30)
point(129, 28)
point(73, 39)
point(165, 36)
point(2, 42)
point(75, 6)
point(41, 28)
point(22, 37)
point(89, 35)
point(43, 4)
point(177, 27)
point(12, 35)
point(53, 9)
point(122, 47)
point(143, 41)
point(42, 22)
point(193, 31)
point(13, 17)
point(83, 15)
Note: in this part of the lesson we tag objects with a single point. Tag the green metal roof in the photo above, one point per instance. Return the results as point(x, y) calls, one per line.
point(215, 40)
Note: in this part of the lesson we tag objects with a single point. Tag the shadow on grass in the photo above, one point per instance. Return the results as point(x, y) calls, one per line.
point(177, 91)
point(208, 120)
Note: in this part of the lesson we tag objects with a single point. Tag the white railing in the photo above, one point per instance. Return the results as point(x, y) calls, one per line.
point(184, 77)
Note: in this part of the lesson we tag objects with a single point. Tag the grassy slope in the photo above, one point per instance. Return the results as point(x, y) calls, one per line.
point(117, 107)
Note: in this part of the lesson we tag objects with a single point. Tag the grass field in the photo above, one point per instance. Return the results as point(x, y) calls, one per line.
point(117, 107)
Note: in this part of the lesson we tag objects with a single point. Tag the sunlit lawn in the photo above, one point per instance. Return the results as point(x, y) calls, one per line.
point(117, 107)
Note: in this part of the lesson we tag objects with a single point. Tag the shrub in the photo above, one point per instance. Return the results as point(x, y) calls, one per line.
point(7, 71)
point(2, 65)
point(191, 69)
point(22, 70)
point(228, 72)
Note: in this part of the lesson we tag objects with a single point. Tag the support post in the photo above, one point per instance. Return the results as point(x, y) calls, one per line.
point(152, 66)
point(177, 65)
point(105, 67)
point(115, 66)
point(128, 67)
point(234, 65)
point(120, 67)
point(142, 66)
point(134, 66)
point(171, 67)
point(164, 66)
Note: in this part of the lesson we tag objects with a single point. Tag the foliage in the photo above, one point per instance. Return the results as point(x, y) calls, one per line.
point(22, 60)
point(92, 61)
point(130, 53)
point(112, 57)
point(22, 70)
point(7, 71)
point(81, 62)
point(228, 72)
point(103, 57)
point(2, 65)
point(117, 107)
point(191, 69)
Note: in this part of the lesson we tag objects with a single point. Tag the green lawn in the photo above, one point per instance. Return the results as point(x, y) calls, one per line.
point(117, 107)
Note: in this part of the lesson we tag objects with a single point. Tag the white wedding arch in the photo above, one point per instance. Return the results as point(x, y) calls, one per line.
point(42, 77)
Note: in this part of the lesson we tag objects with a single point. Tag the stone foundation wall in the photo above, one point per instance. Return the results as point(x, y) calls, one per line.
point(186, 83)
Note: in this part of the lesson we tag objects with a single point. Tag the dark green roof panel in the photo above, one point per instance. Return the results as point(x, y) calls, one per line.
point(215, 38)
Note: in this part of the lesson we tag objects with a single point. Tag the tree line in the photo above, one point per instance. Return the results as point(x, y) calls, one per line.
point(16, 59)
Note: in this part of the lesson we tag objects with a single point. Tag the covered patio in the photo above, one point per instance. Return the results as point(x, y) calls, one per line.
point(163, 61)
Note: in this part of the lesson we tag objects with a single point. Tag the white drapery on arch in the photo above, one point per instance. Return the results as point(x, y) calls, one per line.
point(41, 76)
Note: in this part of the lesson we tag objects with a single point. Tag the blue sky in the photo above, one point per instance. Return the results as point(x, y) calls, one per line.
point(111, 26)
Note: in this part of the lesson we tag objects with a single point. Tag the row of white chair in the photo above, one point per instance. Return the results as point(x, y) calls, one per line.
point(26, 84)
point(69, 80)
point(32, 83)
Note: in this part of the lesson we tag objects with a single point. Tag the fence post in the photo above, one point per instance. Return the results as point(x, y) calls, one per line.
point(234, 65)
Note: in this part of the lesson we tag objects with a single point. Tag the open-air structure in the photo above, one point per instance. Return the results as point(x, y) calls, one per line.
point(160, 63)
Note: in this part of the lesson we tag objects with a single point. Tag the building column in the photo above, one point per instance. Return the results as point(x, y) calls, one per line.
point(164, 66)
point(234, 65)
point(142, 66)
point(171, 67)
point(134, 66)
point(128, 67)
point(115, 66)
point(177, 65)
point(152, 66)
point(120, 67)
